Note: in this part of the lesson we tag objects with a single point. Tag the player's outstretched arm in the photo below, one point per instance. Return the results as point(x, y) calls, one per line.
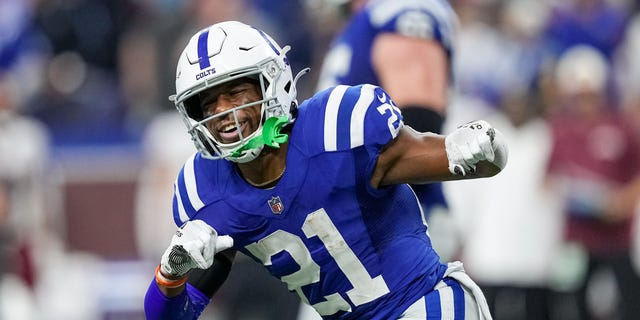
point(192, 247)
point(476, 149)
point(473, 150)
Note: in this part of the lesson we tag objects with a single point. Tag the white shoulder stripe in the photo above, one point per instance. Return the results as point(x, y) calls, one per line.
point(181, 212)
point(359, 111)
point(190, 183)
point(331, 118)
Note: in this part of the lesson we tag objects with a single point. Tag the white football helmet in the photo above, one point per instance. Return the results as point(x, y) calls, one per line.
point(224, 52)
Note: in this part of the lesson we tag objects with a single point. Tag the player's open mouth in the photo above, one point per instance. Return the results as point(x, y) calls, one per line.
point(229, 132)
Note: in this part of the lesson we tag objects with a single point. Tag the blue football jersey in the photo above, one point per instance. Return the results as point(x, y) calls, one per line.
point(349, 250)
point(349, 58)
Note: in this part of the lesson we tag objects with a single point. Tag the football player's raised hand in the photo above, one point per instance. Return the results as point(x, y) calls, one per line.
point(474, 142)
point(192, 246)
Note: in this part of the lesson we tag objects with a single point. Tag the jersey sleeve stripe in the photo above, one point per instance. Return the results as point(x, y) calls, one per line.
point(358, 115)
point(190, 183)
point(331, 118)
point(186, 191)
point(345, 114)
point(182, 213)
point(182, 196)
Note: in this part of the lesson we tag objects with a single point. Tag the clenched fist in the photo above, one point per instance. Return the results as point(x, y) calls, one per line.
point(474, 142)
point(192, 246)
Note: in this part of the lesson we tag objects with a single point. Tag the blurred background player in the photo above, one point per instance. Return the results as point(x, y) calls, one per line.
point(405, 47)
point(512, 226)
point(24, 147)
point(595, 164)
point(499, 237)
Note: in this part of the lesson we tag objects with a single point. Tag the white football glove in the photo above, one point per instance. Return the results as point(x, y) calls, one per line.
point(192, 246)
point(474, 142)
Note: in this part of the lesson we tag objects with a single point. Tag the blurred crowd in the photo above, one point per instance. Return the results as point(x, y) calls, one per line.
point(90, 146)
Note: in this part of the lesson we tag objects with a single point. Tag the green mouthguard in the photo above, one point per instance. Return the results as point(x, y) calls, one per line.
point(271, 136)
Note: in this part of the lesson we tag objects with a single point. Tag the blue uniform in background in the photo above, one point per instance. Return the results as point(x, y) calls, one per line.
point(349, 58)
point(351, 251)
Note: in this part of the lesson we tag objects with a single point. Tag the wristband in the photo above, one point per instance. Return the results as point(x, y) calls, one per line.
point(422, 118)
point(210, 280)
point(168, 283)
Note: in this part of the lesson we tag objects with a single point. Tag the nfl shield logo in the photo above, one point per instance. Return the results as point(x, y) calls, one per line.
point(276, 205)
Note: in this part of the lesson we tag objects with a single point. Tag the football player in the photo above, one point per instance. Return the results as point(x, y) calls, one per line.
point(316, 192)
point(405, 47)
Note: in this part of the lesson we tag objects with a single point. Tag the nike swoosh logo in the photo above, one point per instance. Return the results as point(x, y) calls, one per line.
point(382, 98)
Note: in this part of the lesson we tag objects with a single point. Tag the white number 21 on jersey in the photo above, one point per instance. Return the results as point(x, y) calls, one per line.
point(318, 224)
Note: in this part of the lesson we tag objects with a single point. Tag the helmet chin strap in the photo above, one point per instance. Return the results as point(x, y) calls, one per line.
point(270, 136)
